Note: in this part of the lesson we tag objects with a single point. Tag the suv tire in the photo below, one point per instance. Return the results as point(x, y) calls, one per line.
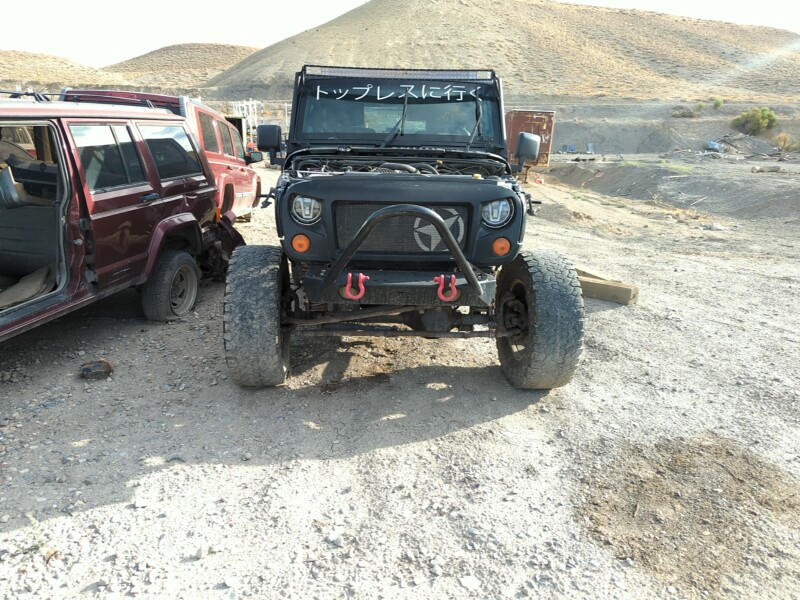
point(539, 292)
point(171, 290)
point(256, 350)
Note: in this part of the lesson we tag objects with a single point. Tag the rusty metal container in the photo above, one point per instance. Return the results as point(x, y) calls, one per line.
point(540, 122)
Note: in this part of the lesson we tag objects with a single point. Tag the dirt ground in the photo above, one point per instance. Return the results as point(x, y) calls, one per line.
point(668, 467)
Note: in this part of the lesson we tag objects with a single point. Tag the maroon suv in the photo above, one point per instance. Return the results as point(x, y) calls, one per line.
point(238, 183)
point(111, 197)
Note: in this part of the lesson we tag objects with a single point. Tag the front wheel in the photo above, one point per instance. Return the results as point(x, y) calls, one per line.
point(539, 299)
point(171, 290)
point(256, 347)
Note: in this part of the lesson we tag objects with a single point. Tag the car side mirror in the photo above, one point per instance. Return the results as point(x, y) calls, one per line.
point(254, 157)
point(269, 138)
point(528, 146)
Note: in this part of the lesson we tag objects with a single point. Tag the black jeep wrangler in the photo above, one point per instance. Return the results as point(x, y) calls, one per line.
point(400, 215)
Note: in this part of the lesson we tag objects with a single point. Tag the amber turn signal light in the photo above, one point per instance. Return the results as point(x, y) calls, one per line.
point(301, 243)
point(501, 246)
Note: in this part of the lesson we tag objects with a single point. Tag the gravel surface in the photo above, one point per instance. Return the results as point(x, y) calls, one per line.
point(408, 468)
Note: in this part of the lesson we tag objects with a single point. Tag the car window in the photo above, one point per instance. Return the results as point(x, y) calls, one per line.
point(20, 137)
point(440, 110)
point(172, 151)
point(133, 163)
point(225, 134)
point(209, 134)
point(108, 155)
point(24, 180)
point(237, 142)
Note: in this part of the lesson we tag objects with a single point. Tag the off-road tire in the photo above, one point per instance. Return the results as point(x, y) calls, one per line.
point(540, 292)
point(171, 290)
point(256, 350)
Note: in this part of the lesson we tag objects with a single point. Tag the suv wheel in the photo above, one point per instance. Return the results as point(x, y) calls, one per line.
point(539, 293)
point(171, 291)
point(256, 348)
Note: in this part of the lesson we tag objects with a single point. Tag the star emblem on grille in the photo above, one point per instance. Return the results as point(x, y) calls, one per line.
point(428, 238)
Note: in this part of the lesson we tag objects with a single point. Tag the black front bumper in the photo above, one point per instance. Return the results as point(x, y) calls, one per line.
point(470, 286)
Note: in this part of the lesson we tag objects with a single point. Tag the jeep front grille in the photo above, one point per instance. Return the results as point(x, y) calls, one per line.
point(399, 235)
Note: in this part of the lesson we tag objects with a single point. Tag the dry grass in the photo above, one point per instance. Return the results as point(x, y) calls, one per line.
point(542, 49)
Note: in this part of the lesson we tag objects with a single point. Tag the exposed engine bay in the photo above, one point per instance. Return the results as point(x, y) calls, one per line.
point(483, 167)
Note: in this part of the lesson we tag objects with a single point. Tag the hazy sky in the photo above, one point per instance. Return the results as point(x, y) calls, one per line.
point(99, 33)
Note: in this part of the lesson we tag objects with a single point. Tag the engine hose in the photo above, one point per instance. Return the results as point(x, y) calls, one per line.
point(426, 168)
point(399, 167)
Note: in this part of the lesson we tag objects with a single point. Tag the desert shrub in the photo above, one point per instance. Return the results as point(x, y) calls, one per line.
point(718, 102)
point(755, 120)
point(701, 106)
point(785, 142)
point(681, 112)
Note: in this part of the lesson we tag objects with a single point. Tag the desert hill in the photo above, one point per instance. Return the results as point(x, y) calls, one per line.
point(540, 48)
point(181, 68)
point(543, 50)
point(43, 72)
point(181, 65)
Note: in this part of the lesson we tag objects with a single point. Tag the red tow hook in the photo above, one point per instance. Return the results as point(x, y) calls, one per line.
point(440, 279)
point(348, 291)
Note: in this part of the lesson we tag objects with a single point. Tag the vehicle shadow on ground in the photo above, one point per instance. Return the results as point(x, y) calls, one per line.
point(127, 304)
point(169, 406)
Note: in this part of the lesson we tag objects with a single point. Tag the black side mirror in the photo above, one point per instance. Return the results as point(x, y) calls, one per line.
point(527, 148)
point(254, 157)
point(269, 138)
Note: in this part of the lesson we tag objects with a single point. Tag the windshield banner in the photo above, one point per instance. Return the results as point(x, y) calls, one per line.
point(398, 91)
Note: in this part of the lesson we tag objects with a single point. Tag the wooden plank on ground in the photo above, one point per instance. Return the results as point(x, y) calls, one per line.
point(597, 286)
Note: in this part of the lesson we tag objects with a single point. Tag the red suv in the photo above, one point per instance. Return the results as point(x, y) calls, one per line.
point(238, 183)
point(111, 197)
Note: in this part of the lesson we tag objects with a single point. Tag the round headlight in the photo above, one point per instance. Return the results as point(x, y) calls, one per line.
point(497, 213)
point(306, 210)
